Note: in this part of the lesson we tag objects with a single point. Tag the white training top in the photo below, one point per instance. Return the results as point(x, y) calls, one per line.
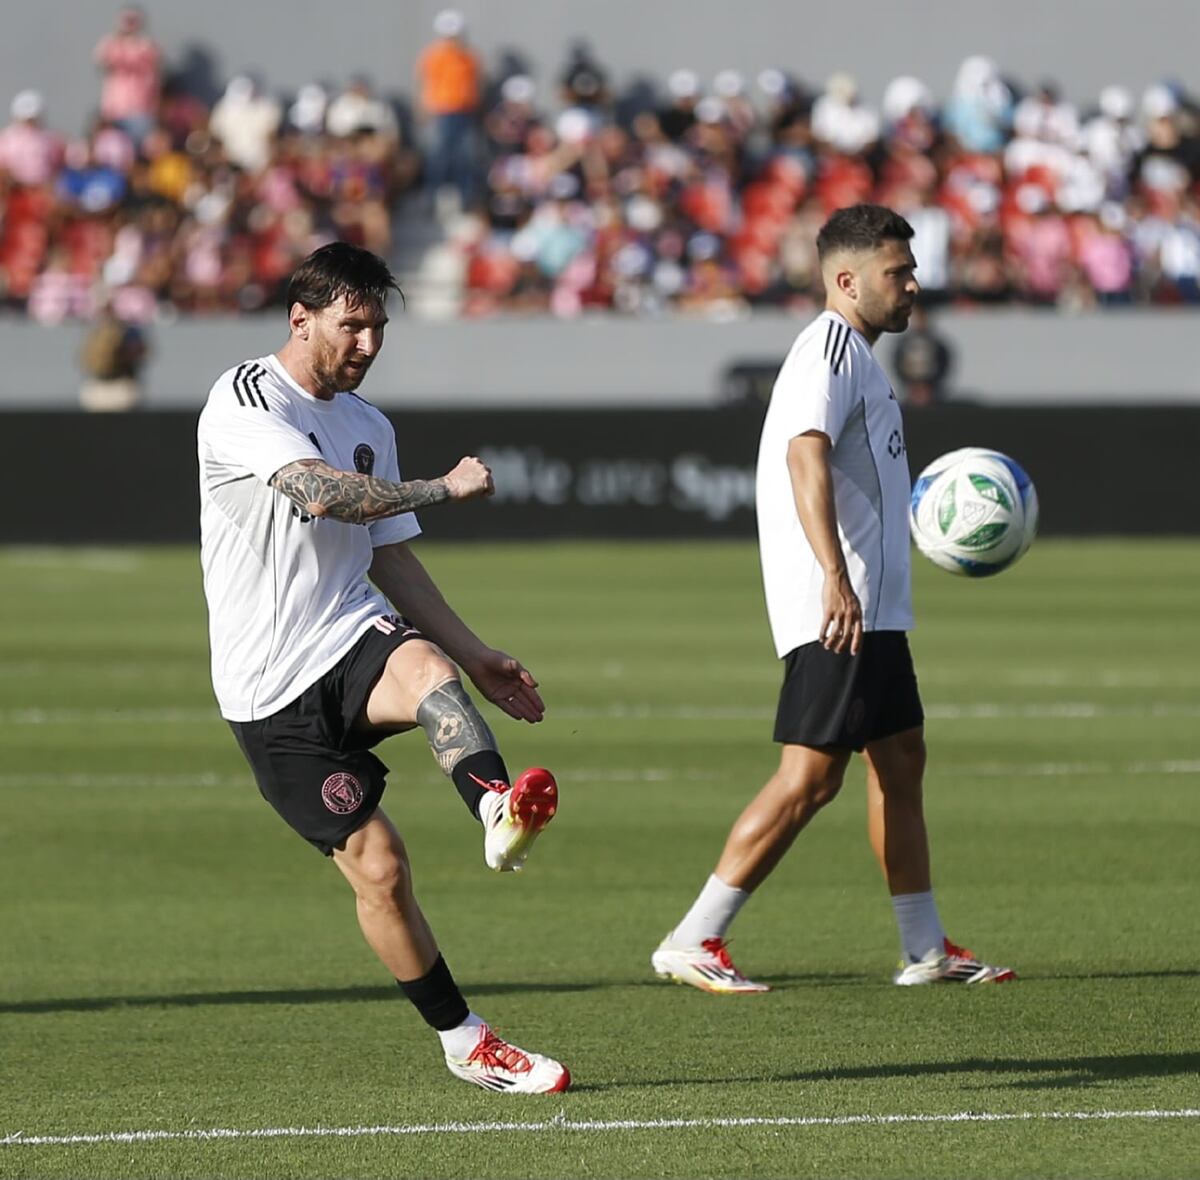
point(831, 382)
point(287, 593)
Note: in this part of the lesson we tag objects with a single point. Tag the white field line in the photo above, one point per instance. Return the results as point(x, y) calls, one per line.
point(562, 1123)
point(1051, 710)
point(115, 780)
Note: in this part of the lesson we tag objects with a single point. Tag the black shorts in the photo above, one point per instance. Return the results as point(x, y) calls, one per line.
point(832, 699)
point(310, 763)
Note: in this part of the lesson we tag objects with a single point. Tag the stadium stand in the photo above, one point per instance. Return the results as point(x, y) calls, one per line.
point(703, 198)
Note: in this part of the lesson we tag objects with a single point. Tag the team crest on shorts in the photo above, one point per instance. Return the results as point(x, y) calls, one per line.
point(342, 793)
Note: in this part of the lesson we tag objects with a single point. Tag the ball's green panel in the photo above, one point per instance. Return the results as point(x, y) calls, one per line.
point(989, 489)
point(947, 508)
point(985, 536)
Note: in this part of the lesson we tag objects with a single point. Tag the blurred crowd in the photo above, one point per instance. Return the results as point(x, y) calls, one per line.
point(711, 198)
point(692, 194)
point(169, 205)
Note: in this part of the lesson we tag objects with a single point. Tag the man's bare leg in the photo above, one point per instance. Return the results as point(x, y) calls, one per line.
point(694, 952)
point(807, 779)
point(375, 863)
point(896, 810)
point(896, 830)
point(419, 685)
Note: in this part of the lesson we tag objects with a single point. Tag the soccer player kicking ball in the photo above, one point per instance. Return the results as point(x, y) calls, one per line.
point(832, 497)
point(301, 503)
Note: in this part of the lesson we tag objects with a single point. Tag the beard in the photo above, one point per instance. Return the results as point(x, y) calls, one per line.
point(884, 317)
point(351, 377)
point(336, 375)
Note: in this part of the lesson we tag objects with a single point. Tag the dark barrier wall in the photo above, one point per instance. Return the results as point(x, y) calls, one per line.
point(649, 473)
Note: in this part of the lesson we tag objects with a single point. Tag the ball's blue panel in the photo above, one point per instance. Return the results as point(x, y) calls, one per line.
point(980, 569)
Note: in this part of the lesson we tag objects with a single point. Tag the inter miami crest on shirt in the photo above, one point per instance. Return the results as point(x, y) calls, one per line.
point(364, 459)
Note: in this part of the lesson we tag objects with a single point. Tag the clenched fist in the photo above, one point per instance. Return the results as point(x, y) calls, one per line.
point(471, 477)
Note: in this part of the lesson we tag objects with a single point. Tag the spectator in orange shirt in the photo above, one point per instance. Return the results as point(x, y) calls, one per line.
point(448, 80)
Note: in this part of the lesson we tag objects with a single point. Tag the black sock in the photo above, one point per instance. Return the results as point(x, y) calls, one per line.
point(471, 772)
point(436, 996)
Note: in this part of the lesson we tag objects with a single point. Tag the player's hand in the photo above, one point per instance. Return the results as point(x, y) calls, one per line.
point(508, 685)
point(471, 477)
point(841, 624)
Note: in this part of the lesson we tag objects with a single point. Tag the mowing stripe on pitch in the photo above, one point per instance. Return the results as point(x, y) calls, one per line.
point(984, 711)
point(562, 1123)
point(116, 561)
point(1043, 678)
point(15, 780)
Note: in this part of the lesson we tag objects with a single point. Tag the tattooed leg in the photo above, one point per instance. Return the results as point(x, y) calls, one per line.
point(462, 743)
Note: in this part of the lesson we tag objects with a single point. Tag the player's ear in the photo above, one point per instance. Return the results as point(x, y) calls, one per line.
point(847, 283)
point(299, 319)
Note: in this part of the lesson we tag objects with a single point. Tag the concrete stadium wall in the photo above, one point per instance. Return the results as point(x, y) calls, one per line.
point(1003, 357)
point(638, 473)
point(1084, 44)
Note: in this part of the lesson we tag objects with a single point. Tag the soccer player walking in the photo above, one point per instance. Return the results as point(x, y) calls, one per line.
point(302, 502)
point(832, 498)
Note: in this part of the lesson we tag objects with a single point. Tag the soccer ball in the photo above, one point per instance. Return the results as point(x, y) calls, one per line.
point(973, 512)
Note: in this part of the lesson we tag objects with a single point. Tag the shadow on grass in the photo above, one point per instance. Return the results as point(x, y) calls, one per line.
point(1055, 1072)
point(1123, 975)
point(1049, 1073)
point(332, 995)
point(819, 979)
point(349, 995)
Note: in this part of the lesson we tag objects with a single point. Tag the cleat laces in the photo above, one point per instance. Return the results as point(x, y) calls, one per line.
point(719, 949)
point(496, 785)
point(494, 1053)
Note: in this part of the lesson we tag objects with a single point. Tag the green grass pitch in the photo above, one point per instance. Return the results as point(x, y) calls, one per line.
point(174, 961)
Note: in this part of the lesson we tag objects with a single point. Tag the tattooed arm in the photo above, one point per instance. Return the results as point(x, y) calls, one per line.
point(321, 490)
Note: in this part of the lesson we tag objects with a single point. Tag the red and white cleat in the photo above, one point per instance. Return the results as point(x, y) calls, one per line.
point(496, 1065)
point(955, 964)
point(707, 966)
point(514, 818)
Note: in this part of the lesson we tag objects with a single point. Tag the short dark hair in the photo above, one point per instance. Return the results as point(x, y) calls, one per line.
point(341, 269)
point(861, 227)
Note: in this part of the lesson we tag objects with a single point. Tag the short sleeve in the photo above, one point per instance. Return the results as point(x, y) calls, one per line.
point(815, 386)
point(241, 432)
point(392, 529)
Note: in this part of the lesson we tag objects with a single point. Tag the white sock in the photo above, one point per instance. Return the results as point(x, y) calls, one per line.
point(457, 1043)
point(711, 913)
point(487, 805)
point(920, 927)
